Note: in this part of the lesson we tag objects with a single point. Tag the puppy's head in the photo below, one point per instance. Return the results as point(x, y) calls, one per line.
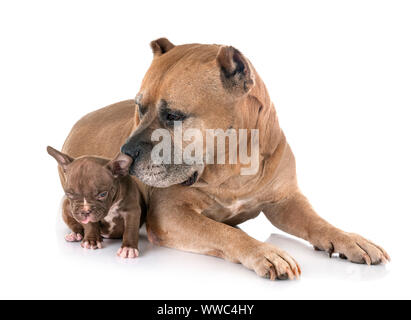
point(90, 183)
point(192, 86)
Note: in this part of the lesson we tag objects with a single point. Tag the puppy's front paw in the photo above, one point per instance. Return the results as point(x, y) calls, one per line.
point(127, 252)
point(91, 244)
point(73, 237)
point(353, 247)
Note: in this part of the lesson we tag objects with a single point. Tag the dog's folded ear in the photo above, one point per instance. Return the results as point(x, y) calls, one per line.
point(236, 73)
point(120, 165)
point(62, 159)
point(161, 46)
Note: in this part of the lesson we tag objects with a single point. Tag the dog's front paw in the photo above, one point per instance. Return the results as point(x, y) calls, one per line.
point(353, 247)
point(128, 252)
point(273, 263)
point(73, 237)
point(92, 244)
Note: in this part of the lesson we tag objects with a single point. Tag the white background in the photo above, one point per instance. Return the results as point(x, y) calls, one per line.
point(339, 74)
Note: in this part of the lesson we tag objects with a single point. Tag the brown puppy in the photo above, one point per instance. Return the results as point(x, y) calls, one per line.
point(101, 200)
point(212, 86)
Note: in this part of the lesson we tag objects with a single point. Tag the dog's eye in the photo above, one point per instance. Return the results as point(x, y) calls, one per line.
point(70, 195)
point(175, 117)
point(102, 195)
point(169, 116)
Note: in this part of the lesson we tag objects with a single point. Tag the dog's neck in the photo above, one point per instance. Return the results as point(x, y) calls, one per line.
point(260, 114)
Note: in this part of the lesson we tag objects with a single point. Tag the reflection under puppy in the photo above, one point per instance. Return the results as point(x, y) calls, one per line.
point(101, 201)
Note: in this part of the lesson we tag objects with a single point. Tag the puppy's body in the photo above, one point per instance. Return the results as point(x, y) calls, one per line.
point(101, 201)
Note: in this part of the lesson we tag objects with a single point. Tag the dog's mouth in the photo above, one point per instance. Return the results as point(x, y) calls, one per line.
point(94, 217)
point(86, 220)
point(191, 180)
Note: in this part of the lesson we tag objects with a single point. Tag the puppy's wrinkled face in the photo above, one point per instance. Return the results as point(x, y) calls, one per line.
point(196, 86)
point(90, 188)
point(91, 183)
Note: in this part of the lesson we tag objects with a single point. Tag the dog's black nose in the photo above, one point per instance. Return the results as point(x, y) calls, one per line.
point(136, 149)
point(131, 149)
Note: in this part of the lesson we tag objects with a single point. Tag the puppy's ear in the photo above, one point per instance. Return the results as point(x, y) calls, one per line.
point(62, 159)
point(120, 165)
point(236, 73)
point(161, 46)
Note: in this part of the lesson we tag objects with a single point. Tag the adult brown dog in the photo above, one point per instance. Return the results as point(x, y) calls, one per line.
point(207, 87)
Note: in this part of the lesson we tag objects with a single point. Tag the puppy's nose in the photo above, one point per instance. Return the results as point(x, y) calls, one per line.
point(86, 212)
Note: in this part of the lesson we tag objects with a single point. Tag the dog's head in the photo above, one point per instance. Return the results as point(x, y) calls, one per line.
point(189, 86)
point(90, 183)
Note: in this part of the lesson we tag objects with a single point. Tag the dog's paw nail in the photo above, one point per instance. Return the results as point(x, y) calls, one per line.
point(343, 256)
point(128, 253)
point(69, 237)
point(284, 276)
point(367, 260)
point(73, 237)
point(331, 250)
point(86, 245)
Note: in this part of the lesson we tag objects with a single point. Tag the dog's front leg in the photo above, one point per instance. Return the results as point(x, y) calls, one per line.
point(295, 215)
point(129, 247)
point(178, 226)
point(77, 230)
point(92, 236)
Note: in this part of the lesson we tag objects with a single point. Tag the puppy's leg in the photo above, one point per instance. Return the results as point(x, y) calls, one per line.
point(178, 226)
point(76, 228)
point(295, 215)
point(129, 247)
point(92, 236)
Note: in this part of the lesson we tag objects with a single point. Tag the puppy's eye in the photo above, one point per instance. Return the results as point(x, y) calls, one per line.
point(102, 195)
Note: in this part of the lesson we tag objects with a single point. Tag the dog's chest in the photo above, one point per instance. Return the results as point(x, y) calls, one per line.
point(112, 226)
point(223, 210)
point(236, 206)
